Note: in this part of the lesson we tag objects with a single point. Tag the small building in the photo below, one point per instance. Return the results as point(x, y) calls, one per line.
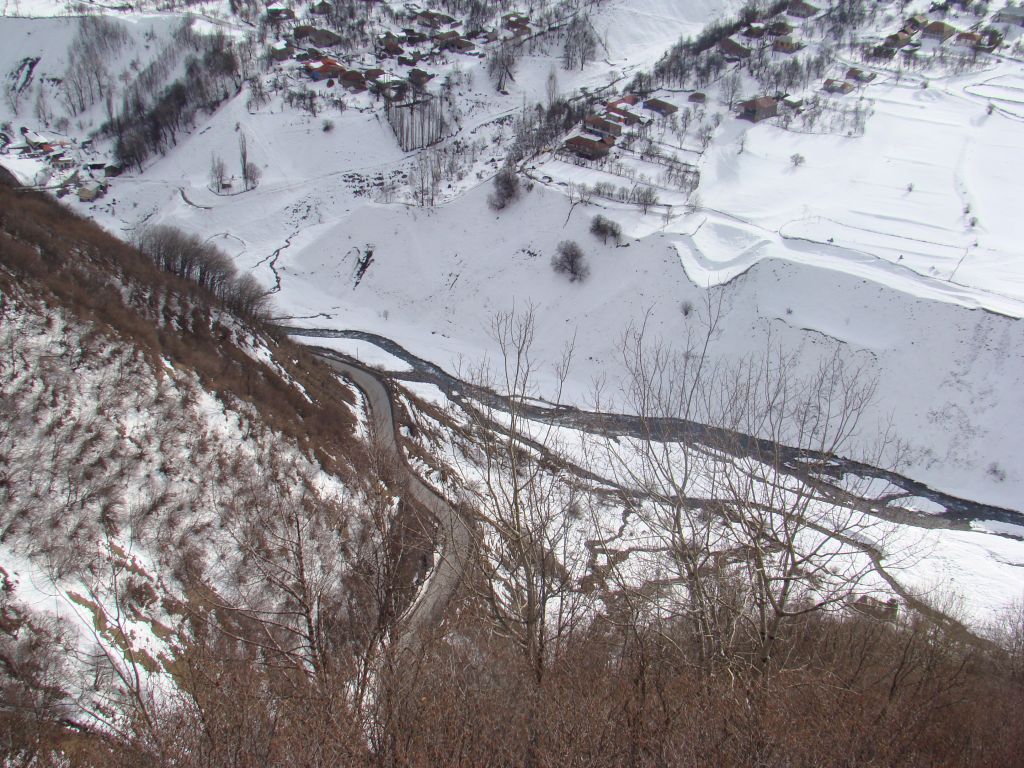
point(753, 32)
point(793, 102)
point(589, 149)
point(281, 50)
point(629, 100)
point(786, 44)
point(601, 126)
point(87, 193)
point(325, 38)
point(419, 78)
point(915, 23)
point(112, 170)
point(838, 86)
point(629, 118)
point(324, 69)
point(434, 19)
point(778, 28)
point(280, 13)
point(938, 30)
point(896, 40)
point(321, 7)
point(353, 79)
point(859, 75)
point(662, 108)
point(761, 108)
point(697, 98)
point(733, 50)
point(968, 40)
point(801, 9)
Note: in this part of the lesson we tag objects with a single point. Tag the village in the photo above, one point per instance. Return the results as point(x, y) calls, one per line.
point(606, 141)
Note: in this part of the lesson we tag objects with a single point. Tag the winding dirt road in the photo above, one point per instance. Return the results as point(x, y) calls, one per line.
point(456, 537)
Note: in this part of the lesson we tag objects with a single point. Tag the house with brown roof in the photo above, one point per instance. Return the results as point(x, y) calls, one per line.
point(786, 44)
point(353, 80)
point(938, 30)
point(697, 98)
point(968, 40)
point(761, 108)
point(588, 149)
point(419, 78)
point(838, 86)
point(601, 126)
point(915, 23)
point(859, 75)
point(896, 39)
point(801, 9)
point(733, 50)
point(629, 118)
point(663, 108)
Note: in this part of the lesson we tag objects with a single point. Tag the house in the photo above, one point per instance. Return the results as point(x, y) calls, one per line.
point(324, 69)
point(801, 9)
point(733, 50)
point(1013, 15)
point(111, 170)
point(353, 79)
point(793, 102)
point(786, 44)
point(434, 19)
point(859, 75)
point(779, 28)
point(588, 149)
point(419, 78)
point(896, 40)
point(324, 38)
point(601, 126)
point(390, 48)
point(761, 108)
point(838, 86)
point(697, 98)
point(968, 40)
point(663, 108)
point(87, 193)
point(629, 118)
point(753, 32)
point(938, 30)
point(915, 23)
point(627, 100)
point(321, 7)
point(280, 13)
point(281, 50)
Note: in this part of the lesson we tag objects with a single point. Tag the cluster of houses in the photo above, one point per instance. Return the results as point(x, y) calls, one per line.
point(600, 132)
point(919, 28)
point(433, 35)
point(778, 31)
point(62, 163)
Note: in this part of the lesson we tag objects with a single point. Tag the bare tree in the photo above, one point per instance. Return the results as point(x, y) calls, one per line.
point(527, 502)
point(569, 260)
point(218, 172)
point(501, 64)
point(752, 539)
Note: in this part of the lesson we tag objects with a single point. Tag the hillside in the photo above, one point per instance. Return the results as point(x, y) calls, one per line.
point(159, 453)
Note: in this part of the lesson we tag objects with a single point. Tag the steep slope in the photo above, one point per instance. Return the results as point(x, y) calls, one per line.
point(165, 467)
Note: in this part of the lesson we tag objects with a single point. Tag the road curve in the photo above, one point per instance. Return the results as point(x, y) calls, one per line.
point(456, 537)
